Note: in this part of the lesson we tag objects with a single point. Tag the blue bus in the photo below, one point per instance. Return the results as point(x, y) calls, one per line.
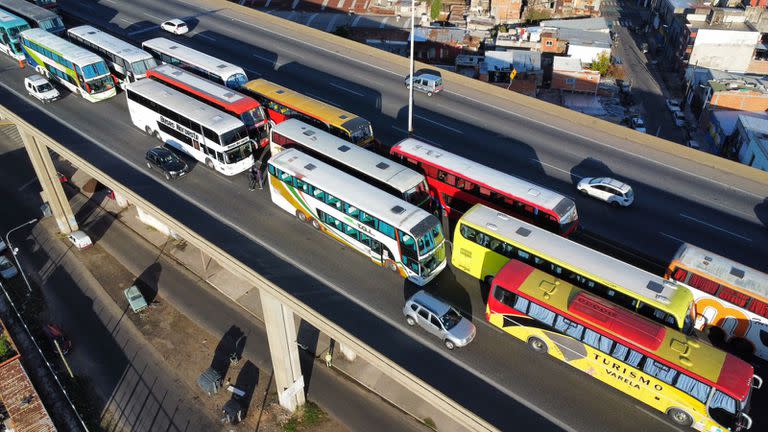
point(10, 27)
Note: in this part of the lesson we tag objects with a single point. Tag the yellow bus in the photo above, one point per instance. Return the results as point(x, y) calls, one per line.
point(486, 239)
point(283, 103)
point(693, 383)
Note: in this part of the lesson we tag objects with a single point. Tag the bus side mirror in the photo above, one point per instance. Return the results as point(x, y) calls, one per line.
point(701, 322)
point(746, 421)
point(757, 382)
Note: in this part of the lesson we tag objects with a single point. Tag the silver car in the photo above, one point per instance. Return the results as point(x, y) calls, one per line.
point(440, 319)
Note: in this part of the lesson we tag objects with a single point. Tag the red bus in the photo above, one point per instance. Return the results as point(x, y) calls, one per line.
point(246, 108)
point(458, 184)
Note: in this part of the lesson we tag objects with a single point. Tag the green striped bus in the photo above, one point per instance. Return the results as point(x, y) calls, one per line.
point(78, 69)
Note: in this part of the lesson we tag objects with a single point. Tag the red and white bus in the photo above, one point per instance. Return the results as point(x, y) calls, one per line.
point(246, 108)
point(458, 183)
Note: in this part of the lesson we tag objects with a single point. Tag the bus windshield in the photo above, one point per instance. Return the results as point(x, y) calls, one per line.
point(99, 85)
point(239, 153)
point(51, 24)
point(94, 70)
point(361, 133)
point(432, 263)
point(236, 81)
point(233, 136)
point(141, 67)
point(252, 117)
point(14, 31)
point(418, 194)
point(431, 239)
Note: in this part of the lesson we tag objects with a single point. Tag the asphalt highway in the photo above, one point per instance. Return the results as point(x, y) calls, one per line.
point(494, 376)
point(677, 199)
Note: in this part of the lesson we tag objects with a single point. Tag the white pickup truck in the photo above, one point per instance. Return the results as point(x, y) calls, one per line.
point(40, 88)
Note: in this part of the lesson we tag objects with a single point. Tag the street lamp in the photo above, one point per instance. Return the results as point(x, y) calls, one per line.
point(410, 76)
point(14, 250)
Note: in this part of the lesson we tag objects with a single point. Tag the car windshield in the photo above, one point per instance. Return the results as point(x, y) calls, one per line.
point(596, 180)
point(450, 319)
point(44, 87)
point(168, 158)
point(99, 85)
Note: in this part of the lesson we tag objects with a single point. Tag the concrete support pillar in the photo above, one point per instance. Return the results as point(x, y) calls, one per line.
point(281, 334)
point(120, 200)
point(49, 180)
point(347, 352)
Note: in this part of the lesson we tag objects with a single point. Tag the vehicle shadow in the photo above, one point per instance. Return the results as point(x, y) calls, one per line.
point(148, 282)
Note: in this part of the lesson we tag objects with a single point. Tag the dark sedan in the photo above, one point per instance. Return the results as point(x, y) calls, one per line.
point(173, 167)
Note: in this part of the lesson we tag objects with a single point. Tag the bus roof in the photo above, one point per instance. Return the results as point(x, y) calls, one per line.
point(213, 119)
point(72, 52)
point(385, 170)
point(726, 371)
point(236, 102)
point(110, 43)
point(488, 177)
point(193, 56)
point(27, 9)
point(8, 19)
point(370, 199)
point(610, 271)
point(724, 270)
point(295, 100)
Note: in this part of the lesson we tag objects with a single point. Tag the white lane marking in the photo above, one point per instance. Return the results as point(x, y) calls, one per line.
point(152, 16)
point(672, 237)
point(496, 108)
point(340, 87)
point(134, 33)
point(427, 140)
point(429, 343)
point(314, 96)
point(206, 37)
point(263, 58)
point(24, 186)
point(715, 227)
point(438, 124)
point(554, 167)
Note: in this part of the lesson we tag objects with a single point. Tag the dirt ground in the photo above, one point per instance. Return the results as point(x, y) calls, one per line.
point(170, 332)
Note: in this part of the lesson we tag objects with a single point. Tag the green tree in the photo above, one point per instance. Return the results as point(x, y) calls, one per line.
point(601, 63)
point(6, 351)
point(435, 8)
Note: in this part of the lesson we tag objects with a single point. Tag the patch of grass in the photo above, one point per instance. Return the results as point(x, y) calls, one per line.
point(312, 414)
point(6, 350)
point(292, 425)
point(435, 8)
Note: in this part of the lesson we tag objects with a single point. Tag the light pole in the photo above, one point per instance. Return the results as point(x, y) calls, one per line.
point(410, 76)
point(13, 251)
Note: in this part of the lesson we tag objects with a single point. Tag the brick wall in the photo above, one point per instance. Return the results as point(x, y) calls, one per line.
point(740, 100)
point(584, 81)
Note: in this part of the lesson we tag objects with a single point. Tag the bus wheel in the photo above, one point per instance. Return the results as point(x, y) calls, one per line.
point(148, 130)
point(680, 417)
point(301, 216)
point(392, 265)
point(537, 345)
point(316, 224)
point(156, 134)
point(209, 163)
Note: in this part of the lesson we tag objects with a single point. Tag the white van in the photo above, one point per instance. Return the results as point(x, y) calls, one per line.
point(40, 88)
point(425, 83)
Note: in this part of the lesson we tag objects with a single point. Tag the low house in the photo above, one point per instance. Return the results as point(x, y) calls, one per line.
point(569, 74)
point(751, 144)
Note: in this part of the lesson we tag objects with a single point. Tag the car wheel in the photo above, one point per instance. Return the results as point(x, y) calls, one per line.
point(448, 344)
point(301, 216)
point(410, 321)
point(316, 224)
point(156, 134)
point(429, 93)
point(584, 192)
point(615, 204)
point(680, 417)
point(149, 165)
point(167, 175)
point(537, 345)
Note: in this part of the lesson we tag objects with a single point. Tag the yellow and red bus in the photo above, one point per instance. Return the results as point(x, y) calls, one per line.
point(283, 103)
point(693, 383)
point(731, 299)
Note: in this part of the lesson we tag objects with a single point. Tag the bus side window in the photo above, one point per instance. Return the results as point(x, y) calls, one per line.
point(430, 170)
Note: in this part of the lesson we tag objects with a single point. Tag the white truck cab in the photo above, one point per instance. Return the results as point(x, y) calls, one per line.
point(41, 88)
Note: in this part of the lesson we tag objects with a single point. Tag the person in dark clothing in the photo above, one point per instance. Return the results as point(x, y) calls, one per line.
point(252, 177)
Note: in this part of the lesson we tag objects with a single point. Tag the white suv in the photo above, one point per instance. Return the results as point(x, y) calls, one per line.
point(606, 189)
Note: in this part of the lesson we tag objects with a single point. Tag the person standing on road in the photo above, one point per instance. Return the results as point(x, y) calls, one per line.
point(252, 177)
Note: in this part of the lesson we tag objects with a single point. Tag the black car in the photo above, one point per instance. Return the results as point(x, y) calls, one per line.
point(173, 167)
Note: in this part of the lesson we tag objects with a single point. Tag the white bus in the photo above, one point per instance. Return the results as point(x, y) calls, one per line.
point(207, 134)
point(393, 233)
point(168, 51)
point(358, 162)
point(128, 62)
point(78, 69)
